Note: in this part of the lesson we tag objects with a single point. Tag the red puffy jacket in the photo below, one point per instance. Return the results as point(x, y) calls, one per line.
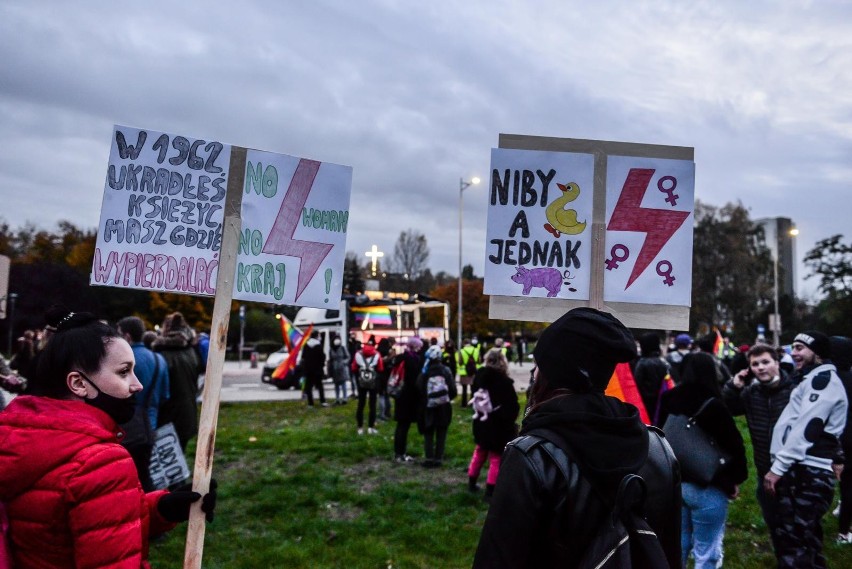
point(70, 490)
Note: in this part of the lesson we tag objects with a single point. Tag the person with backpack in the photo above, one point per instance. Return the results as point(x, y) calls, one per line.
point(583, 460)
point(437, 387)
point(492, 432)
point(705, 505)
point(366, 366)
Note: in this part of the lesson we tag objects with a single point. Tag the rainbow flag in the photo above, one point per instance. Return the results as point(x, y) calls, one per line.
point(292, 335)
point(289, 362)
point(378, 315)
point(718, 345)
point(622, 385)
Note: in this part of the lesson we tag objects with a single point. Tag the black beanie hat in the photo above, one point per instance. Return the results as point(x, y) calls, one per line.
point(580, 350)
point(816, 341)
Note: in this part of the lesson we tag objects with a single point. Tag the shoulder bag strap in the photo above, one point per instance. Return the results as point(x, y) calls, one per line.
point(702, 408)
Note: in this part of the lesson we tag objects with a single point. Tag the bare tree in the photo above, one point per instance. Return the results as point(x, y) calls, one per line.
point(410, 254)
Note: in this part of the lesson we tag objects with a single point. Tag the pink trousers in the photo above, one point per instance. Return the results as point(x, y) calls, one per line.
point(478, 460)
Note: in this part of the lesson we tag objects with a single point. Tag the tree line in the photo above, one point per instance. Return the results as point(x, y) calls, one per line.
point(732, 282)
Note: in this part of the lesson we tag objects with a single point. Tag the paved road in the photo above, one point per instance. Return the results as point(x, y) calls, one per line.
point(241, 383)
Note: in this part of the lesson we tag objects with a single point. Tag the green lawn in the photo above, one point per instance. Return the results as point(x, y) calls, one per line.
point(299, 488)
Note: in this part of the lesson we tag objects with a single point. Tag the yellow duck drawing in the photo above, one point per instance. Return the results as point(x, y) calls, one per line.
point(564, 220)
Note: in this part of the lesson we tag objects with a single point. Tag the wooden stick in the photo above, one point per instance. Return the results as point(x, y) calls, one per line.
point(203, 469)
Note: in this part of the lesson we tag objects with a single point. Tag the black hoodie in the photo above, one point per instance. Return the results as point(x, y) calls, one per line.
point(604, 436)
point(546, 508)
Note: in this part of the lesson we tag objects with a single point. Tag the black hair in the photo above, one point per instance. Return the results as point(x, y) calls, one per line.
point(78, 343)
point(700, 368)
point(133, 327)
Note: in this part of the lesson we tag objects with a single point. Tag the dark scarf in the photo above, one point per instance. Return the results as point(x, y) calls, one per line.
point(602, 435)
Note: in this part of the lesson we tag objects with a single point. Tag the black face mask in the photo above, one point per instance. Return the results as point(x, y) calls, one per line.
point(120, 410)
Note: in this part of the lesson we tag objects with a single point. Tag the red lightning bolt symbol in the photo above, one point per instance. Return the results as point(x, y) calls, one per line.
point(281, 242)
point(658, 224)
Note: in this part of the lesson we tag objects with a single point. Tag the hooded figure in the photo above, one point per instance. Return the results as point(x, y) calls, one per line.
point(184, 365)
point(539, 517)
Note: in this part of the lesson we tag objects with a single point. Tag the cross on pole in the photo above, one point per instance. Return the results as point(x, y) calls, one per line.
point(374, 254)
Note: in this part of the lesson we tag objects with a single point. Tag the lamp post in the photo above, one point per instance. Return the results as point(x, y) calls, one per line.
point(462, 186)
point(776, 317)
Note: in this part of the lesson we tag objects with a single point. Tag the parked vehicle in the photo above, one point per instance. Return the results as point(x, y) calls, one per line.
point(290, 381)
point(402, 318)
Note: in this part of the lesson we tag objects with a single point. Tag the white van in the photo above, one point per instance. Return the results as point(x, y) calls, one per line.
point(400, 319)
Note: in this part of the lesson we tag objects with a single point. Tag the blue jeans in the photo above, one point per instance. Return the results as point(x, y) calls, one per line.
point(702, 524)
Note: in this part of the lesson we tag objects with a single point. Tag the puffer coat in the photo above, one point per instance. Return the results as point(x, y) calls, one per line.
point(70, 490)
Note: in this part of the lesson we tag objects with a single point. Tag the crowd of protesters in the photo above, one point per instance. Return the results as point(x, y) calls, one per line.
point(796, 405)
point(795, 402)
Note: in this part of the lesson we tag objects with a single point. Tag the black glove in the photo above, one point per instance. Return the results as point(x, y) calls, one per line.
point(174, 506)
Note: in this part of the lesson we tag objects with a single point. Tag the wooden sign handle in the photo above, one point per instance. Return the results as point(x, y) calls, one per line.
point(203, 469)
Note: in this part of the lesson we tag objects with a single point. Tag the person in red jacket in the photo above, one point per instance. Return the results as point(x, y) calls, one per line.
point(69, 488)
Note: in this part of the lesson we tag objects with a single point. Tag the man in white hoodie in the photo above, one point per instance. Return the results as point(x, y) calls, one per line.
point(804, 442)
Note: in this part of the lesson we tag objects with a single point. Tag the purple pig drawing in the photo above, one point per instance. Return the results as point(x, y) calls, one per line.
point(545, 277)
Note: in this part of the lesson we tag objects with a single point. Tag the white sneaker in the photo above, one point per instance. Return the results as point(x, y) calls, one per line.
point(360, 432)
point(845, 538)
point(836, 512)
point(372, 431)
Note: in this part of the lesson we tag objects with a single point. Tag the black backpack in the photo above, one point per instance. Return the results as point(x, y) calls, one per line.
point(623, 539)
point(367, 373)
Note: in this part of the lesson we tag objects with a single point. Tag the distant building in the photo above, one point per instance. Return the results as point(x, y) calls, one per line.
point(776, 231)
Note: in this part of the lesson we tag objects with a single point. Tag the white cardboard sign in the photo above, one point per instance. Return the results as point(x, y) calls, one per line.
point(632, 217)
point(162, 214)
point(539, 224)
point(649, 205)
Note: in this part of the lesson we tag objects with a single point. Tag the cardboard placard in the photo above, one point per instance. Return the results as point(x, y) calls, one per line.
point(168, 464)
point(630, 253)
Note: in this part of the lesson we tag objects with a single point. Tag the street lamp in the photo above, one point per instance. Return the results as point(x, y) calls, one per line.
point(776, 317)
point(462, 186)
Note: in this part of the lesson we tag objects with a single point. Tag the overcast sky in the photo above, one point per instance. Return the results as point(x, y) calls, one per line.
point(413, 96)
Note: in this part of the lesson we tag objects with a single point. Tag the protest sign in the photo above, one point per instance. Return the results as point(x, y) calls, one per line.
point(630, 251)
point(538, 245)
point(172, 220)
point(295, 215)
point(168, 465)
point(162, 213)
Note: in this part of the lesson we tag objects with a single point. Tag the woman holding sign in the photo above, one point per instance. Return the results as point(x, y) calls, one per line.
point(69, 488)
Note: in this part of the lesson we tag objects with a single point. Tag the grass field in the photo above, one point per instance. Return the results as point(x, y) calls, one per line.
point(299, 488)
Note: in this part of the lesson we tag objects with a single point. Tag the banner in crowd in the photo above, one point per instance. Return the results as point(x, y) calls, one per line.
point(590, 223)
point(163, 209)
